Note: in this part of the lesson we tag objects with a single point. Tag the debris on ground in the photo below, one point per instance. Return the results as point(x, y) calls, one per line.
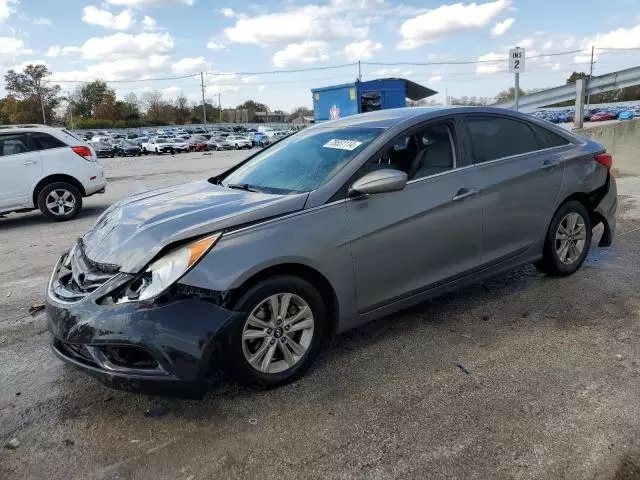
point(462, 369)
point(36, 307)
point(18, 394)
point(12, 444)
point(485, 318)
point(8, 293)
point(156, 412)
point(68, 442)
point(619, 357)
point(253, 421)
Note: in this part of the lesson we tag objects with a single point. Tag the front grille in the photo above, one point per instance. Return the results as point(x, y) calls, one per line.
point(77, 352)
point(77, 276)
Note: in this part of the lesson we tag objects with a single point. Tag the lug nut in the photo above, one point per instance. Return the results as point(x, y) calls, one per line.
point(269, 331)
point(284, 339)
point(278, 321)
point(272, 341)
point(287, 327)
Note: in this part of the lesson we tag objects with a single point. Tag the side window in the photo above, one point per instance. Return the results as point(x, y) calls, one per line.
point(548, 139)
point(435, 152)
point(44, 141)
point(13, 144)
point(498, 137)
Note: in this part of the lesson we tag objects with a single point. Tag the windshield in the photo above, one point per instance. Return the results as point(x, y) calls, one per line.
point(302, 162)
point(162, 140)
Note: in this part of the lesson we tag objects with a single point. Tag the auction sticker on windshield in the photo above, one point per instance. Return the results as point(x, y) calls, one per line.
point(342, 144)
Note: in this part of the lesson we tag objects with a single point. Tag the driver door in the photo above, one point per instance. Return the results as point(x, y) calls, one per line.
point(406, 242)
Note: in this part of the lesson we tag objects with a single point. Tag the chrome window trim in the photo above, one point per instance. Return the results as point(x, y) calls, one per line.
point(488, 162)
point(458, 169)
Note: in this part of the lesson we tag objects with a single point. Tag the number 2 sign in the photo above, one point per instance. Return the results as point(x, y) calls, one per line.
point(516, 60)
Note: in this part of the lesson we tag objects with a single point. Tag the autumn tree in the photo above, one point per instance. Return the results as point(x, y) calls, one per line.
point(31, 87)
point(153, 104)
point(107, 108)
point(509, 94)
point(182, 110)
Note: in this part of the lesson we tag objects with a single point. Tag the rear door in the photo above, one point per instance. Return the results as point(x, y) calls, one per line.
point(519, 172)
point(55, 155)
point(407, 241)
point(20, 168)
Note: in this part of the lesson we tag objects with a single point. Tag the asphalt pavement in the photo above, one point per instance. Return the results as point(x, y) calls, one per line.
point(521, 376)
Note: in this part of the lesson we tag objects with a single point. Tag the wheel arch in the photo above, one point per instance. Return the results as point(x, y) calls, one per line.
point(58, 177)
point(590, 202)
point(310, 274)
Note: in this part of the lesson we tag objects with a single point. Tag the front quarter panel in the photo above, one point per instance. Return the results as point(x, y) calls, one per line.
point(315, 238)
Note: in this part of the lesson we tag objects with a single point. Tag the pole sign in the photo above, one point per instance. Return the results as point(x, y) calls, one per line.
point(516, 60)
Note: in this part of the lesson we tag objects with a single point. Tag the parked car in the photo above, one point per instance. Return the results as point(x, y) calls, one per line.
point(103, 149)
point(602, 116)
point(125, 148)
point(344, 222)
point(217, 143)
point(259, 139)
point(178, 144)
point(46, 168)
point(158, 146)
point(238, 141)
point(625, 115)
point(197, 144)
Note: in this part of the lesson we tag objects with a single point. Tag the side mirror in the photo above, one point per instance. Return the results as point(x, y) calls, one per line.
point(380, 181)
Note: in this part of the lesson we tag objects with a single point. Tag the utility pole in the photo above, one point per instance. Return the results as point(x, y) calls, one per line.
point(590, 74)
point(517, 92)
point(359, 72)
point(204, 106)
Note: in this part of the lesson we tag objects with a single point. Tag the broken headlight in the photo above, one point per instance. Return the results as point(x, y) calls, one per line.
point(163, 272)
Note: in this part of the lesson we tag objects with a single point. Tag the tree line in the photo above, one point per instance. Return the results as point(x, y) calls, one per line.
point(32, 99)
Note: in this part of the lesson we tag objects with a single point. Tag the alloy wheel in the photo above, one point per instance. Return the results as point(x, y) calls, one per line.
point(278, 333)
point(60, 202)
point(570, 238)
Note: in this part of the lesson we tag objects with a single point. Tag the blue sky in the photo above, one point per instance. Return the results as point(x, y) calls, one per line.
point(232, 41)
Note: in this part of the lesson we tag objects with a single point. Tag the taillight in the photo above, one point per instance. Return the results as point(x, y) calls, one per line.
point(84, 152)
point(605, 159)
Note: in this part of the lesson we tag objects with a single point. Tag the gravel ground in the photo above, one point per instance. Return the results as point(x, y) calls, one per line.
point(519, 377)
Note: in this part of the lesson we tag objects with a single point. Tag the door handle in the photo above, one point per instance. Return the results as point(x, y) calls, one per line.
point(550, 164)
point(29, 162)
point(464, 193)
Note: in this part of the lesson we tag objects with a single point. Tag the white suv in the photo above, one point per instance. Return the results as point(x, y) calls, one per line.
point(46, 168)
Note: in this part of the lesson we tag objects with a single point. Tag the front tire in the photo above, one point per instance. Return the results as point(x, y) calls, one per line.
point(60, 201)
point(280, 335)
point(568, 240)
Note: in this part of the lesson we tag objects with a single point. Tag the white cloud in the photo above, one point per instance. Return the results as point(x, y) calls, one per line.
point(434, 24)
point(104, 18)
point(148, 3)
point(297, 53)
point(620, 38)
point(124, 45)
point(261, 87)
point(568, 42)
point(217, 77)
point(120, 69)
point(525, 43)
point(213, 45)
point(189, 65)
point(215, 89)
point(361, 50)
point(41, 21)
point(302, 24)
point(149, 23)
point(250, 79)
point(5, 8)
point(547, 45)
point(57, 50)
point(435, 79)
point(21, 66)
point(501, 28)
point(172, 91)
point(498, 63)
point(386, 72)
point(11, 47)
point(228, 12)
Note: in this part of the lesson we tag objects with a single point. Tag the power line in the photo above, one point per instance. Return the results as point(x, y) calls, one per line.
point(181, 77)
point(271, 72)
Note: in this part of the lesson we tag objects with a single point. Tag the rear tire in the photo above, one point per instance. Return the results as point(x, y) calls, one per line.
point(567, 242)
point(60, 201)
point(284, 366)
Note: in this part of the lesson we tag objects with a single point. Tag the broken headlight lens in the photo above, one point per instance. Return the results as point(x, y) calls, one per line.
point(162, 273)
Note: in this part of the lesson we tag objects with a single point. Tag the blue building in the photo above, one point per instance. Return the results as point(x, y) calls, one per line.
point(339, 101)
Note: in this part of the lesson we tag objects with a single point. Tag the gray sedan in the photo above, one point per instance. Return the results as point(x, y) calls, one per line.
point(334, 226)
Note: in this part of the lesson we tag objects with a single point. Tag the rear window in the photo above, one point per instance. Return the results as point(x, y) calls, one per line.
point(44, 141)
point(499, 137)
point(548, 139)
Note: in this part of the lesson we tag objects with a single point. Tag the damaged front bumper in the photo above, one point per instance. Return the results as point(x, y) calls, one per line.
point(163, 347)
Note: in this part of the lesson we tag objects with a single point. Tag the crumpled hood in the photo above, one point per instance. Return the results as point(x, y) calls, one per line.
point(131, 232)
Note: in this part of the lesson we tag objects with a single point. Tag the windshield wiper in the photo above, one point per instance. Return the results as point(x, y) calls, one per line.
point(243, 186)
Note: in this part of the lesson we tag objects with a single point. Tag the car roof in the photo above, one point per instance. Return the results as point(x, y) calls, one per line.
point(394, 116)
point(31, 127)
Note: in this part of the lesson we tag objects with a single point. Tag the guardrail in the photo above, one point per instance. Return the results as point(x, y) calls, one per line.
point(603, 83)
